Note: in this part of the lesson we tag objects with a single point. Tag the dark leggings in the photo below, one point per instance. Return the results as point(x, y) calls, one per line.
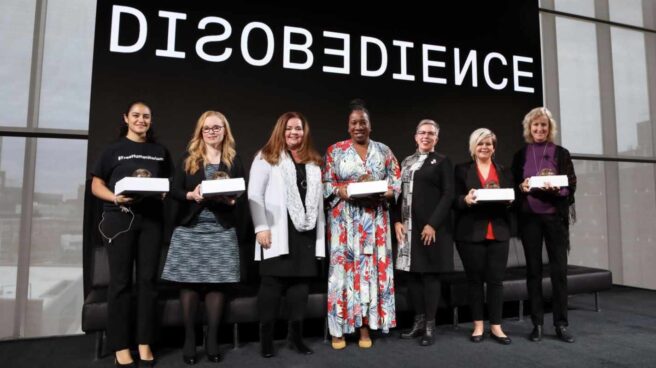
point(140, 245)
point(271, 289)
point(425, 290)
point(214, 302)
point(485, 262)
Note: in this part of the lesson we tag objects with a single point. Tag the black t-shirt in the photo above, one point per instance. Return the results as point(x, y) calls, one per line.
point(123, 157)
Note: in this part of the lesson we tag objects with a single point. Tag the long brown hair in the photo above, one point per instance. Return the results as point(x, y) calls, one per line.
point(276, 144)
point(197, 152)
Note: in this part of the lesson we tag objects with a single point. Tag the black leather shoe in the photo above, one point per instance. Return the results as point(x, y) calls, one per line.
point(214, 358)
point(146, 363)
point(189, 360)
point(536, 334)
point(563, 334)
point(417, 329)
point(505, 340)
point(476, 338)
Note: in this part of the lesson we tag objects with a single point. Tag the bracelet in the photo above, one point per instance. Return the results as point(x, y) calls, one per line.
point(116, 200)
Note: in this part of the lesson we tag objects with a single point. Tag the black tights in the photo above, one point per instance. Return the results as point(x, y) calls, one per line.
point(425, 289)
point(214, 300)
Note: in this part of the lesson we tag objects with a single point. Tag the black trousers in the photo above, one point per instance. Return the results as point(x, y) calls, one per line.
point(296, 294)
point(485, 262)
point(141, 246)
point(425, 290)
point(550, 228)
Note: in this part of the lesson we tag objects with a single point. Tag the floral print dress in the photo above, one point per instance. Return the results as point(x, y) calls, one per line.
point(360, 277)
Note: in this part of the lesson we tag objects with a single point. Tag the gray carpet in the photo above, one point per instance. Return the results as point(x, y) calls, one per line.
point(623, 334)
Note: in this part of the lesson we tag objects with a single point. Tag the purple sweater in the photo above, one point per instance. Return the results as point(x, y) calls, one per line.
point(540, 156)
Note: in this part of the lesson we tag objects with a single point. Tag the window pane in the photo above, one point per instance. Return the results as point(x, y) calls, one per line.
point(585, 8)
point(631, 93)
point(578, 80)
point(67, 56)
point(637, 214)
point(626, 12)
point(12, 153)
point(55, 290)
point(16, 35)
point(588, 233)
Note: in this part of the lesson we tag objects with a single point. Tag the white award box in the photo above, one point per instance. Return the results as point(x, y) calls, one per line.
point(554, 180)
point(141, 186)
point(366, 188)
point(219, 187)
point(495, 194)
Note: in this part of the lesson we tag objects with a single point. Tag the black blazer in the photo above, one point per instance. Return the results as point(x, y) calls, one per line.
point(432, 198)
point(187, 211)
point(471, 222)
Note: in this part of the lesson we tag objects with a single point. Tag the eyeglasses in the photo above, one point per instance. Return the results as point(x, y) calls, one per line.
point(423, 132)
point(213, 129)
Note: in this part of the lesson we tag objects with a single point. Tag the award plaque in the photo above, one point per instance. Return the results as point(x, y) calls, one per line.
point(366, 188)
point(555, 181)
point(141, 183)
point(222, 185)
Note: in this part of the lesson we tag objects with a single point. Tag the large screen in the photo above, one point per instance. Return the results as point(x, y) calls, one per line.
point(476, 64)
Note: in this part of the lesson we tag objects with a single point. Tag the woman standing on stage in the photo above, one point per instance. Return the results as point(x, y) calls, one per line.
point(132, 233)
point(286, 204)
point(204, 253)
point(361, 276)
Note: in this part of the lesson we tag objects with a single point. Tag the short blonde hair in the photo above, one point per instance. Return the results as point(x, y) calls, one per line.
point(534, 114)
point(477, 136)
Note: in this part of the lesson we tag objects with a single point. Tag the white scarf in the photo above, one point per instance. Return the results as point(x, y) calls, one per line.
point(304, 219)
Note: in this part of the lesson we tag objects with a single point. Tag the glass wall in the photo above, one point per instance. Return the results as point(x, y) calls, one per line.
point(606, 101)
point(46, 45)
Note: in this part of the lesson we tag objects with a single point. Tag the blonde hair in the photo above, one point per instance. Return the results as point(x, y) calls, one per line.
point(276, 144)
point(477, 136)
point(197, 152)
point(534, 114)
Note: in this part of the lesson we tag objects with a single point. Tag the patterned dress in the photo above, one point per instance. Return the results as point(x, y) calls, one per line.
point(205, 252)
point(360, 277)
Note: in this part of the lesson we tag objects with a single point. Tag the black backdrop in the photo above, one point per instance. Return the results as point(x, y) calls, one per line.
point(179, 90)
point(252, 97)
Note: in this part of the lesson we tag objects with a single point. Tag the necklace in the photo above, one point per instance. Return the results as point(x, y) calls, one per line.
point(538, 168)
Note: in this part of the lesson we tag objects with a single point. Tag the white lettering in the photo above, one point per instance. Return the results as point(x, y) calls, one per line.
point(170, 42)
point(288, 46)
point(117, 10)
point(200, 44)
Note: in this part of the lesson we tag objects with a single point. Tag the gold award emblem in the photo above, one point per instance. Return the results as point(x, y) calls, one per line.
point(141, 173)
point(546, 172)
point(220, 175)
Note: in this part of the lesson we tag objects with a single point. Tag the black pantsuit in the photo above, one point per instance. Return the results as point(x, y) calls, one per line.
point(484, 259)
point(142, 243)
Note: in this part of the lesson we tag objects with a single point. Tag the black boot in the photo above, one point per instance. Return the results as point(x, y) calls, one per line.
point(427, 338)
point(296, 338)
point(266, 339)
point(417, 328)
point(536, 334)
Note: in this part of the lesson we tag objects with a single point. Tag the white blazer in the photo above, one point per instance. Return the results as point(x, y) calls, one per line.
point(267, 199)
